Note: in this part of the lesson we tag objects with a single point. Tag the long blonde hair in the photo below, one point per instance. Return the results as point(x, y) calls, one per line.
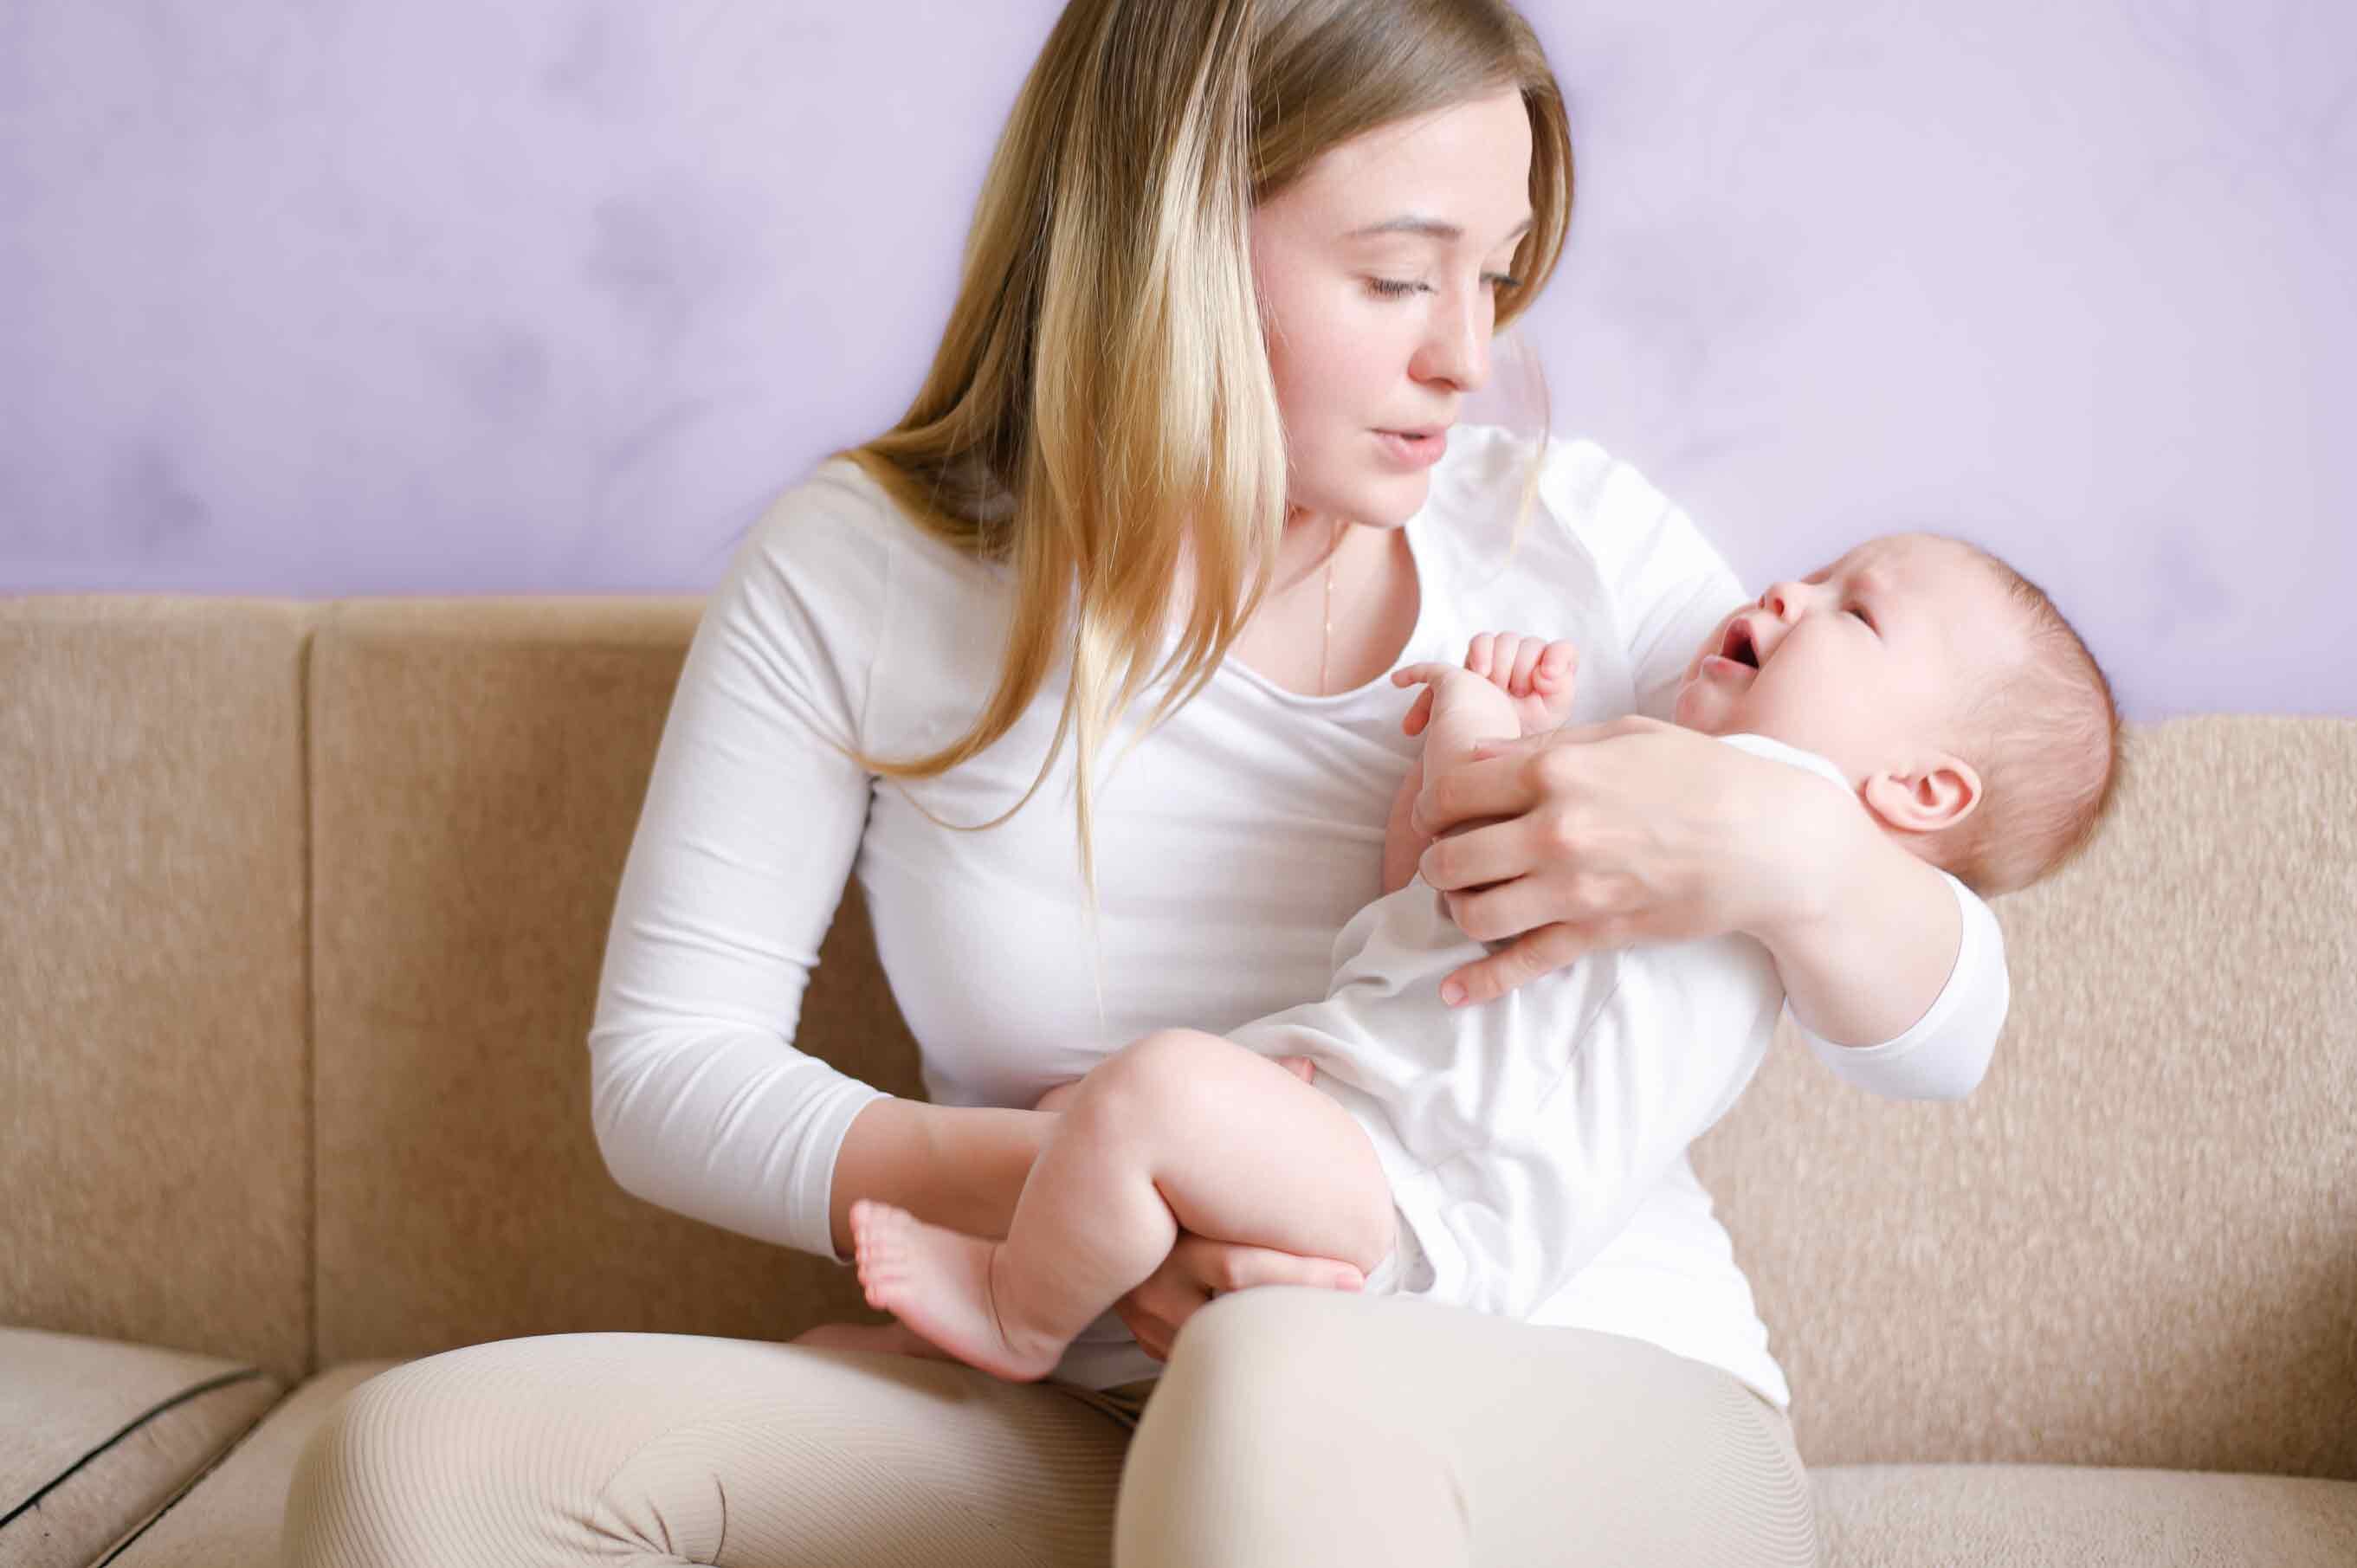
point(1101, 413)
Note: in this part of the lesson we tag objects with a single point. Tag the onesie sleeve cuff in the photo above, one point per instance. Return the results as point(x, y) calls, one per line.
point(1947, 1052)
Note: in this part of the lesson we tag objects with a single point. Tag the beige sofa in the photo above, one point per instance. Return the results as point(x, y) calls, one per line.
point(304, 909)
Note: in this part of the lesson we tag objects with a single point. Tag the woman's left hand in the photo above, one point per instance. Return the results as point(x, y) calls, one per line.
point(1604, 835)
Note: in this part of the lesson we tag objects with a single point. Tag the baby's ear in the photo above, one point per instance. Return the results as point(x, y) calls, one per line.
point(1939, 792)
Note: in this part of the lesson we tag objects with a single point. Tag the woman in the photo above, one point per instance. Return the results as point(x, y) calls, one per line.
point(1083, 666)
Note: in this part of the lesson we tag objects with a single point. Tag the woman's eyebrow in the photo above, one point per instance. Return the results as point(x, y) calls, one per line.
point(1430, 227)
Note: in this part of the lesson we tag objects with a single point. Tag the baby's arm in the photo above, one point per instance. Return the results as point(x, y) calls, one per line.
point(1529, 689)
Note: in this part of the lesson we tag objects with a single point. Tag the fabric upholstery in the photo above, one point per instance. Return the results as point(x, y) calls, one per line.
point(231, 1519)
point(308, 903)
point(96, 1436)
point(2136, 1243)
point(2053, 1516)
point(154, 1078)
point(478, 771)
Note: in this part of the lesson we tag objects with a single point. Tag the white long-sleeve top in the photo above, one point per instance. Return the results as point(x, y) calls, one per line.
point(1233, 845)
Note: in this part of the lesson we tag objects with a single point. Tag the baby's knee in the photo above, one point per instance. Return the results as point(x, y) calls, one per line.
point(1158, 1070)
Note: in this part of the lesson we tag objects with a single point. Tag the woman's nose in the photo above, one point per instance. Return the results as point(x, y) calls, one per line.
point(1457, 348)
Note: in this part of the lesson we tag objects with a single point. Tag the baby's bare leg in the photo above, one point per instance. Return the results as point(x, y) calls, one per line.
point(1178, 1130)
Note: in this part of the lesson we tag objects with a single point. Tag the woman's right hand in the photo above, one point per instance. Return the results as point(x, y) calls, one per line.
point(1200, 1268)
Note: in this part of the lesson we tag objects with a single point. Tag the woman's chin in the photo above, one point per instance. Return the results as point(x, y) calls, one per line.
point(1387, 502)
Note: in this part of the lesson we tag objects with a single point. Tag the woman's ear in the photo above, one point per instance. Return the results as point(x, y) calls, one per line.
point(1940, 792)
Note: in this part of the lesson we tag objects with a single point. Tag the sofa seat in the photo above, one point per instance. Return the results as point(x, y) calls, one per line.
point(186, 1458)
point(231, 1519)
point(133, 1455)
point(2030, 1515)
point(97, 1436)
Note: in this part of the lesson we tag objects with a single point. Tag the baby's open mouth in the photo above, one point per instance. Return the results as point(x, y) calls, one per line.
point(1738, 647)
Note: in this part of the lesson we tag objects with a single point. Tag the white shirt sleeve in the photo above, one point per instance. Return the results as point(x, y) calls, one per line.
point(1670, 587)
point(700, 1100)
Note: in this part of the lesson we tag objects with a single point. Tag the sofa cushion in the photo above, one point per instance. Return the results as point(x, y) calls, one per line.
point(233, 1514)
point(2033, 1516)
point(95, 1436)
point(154, 1065)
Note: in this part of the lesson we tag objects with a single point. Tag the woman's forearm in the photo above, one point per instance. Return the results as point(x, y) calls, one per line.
point(1866, 956)
point(960, 1166)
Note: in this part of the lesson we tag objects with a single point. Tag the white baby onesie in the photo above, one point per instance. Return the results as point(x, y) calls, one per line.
point(1520, 1135)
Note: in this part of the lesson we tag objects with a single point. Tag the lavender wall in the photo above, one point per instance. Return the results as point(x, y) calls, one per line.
point(549, 296)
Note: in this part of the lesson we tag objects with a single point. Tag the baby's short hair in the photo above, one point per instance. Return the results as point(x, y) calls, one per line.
point(2045, 738)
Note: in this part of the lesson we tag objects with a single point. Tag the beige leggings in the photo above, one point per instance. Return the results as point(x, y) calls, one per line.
point(1292, 1427)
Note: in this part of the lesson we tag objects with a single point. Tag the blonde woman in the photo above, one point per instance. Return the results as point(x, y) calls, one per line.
point(1083, 667)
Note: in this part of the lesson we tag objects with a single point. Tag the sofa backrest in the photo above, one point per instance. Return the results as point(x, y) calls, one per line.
point(311, 901)
point(478, 769)
point(155, 1112)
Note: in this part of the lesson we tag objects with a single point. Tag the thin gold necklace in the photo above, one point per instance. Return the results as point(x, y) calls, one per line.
point(1326, 643)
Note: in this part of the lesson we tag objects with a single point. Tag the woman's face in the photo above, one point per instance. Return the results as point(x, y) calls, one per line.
point(1378, 271)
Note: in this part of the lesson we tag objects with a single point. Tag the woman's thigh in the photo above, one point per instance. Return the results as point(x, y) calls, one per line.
point(1306, 1427)
point(644, 1449)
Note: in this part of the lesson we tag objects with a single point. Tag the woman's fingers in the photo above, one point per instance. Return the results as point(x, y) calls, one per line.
point(1153, 1336)
point(1539, 953)
point(1507, 777)
point(1499, 786)
point(1224, 1266)
point(1497, 851)
point(1198, 1268)
point(1507, 909)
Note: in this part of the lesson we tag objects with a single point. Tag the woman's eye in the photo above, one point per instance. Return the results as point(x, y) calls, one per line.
point(1392, 289)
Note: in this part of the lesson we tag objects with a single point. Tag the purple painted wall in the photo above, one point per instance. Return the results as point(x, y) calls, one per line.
point(549, 296)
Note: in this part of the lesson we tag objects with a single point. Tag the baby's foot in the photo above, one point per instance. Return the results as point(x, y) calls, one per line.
point(938, 1282)
point(1537, 675)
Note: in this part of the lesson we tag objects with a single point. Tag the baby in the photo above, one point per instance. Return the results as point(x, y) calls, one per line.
point(1481, 1156)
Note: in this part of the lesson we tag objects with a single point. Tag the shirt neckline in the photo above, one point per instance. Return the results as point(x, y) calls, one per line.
point(1252, 677)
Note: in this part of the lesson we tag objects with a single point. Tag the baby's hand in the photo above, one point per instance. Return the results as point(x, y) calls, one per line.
point(1536, 676)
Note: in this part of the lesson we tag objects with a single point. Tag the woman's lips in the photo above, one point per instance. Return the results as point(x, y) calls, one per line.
point(1413, 451)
